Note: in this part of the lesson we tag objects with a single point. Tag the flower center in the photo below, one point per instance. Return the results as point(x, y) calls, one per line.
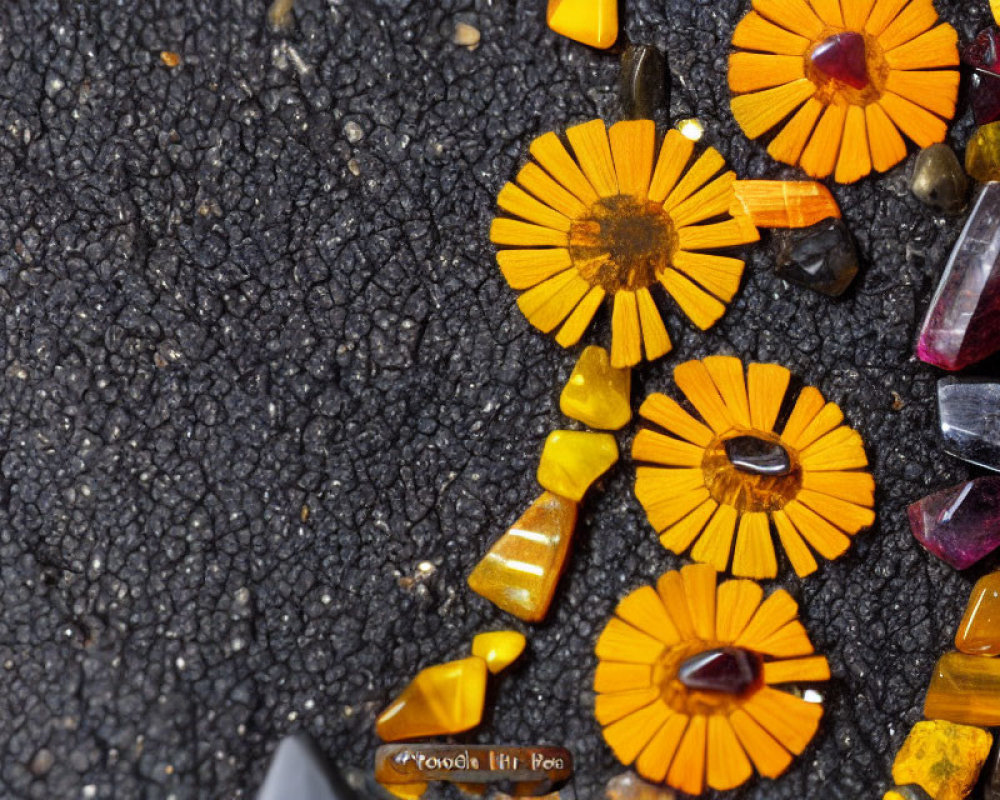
point(751, 471)
point(697, 677)
point(847, 66)
point(623, 245)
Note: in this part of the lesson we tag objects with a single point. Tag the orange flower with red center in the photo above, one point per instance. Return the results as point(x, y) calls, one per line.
point(848, 75)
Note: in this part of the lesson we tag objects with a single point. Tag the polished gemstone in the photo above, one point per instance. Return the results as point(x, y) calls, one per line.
point(821, 257)
point(982, 157)
point(598, 394)
point(983, 52)
point(520, 572)
point(844, 58)
point(961, 524)
point(970, 419)
point(730, 670)
point(911, 792)
point(962, 325)
point(942, 758)
point(499, 649)
point(783, 204)
point(979, 632)
point(629, 786)
point(593, 22)
point(938, 180)
point(758, 456)
point(443, 699)
point(965, 689)
point(984, 97)
point(643, 83)
point(298, 771)
point(572, 460)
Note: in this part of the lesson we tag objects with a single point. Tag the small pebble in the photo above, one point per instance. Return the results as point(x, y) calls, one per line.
point(42, 762)
point(643, 82)
point(353, 132)
point(629, 786)
point(466, 35)
point(279, 15)
point(938, 180)
point(691, 129)
point(821, 257)
point(170, 59)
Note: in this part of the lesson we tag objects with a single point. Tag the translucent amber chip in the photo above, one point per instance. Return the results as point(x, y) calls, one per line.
point(784, 204)
point(965, 689)
point(499, 649)
point(593, 22)
point(979, 633)
point(572, 460)
point(596, 393)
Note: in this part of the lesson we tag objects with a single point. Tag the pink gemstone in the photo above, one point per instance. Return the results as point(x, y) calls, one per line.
point(959, 525)
point(983, 52)
point(962, 325)
point(843, 58)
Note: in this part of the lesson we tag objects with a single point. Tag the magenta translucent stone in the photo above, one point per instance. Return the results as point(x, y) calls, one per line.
point(983, 52)
point(843, 58)
point(962, 325)
point(960, 525)
point(730, 670)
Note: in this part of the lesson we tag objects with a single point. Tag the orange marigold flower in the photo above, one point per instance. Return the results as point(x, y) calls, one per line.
point(854, 72)
point(684, 681)
point(615, 221)
point(733, 475)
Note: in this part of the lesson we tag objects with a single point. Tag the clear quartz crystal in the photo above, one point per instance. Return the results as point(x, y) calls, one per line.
point(970, 419)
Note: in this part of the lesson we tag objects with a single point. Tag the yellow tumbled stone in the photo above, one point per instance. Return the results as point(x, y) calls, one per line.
point(572, 460)
point(446, 698)
point(520, 572)
point(942, 758)
point(982, 153)
point(593, 22)
point(499, 649)
point(596, 393)
point(406, 791)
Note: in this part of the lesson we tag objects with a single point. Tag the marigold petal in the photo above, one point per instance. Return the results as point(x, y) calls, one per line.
point(778, 609)
point(736, 231)
point(630, 735)
point(912, 21)
point(644, 610)
point(699, 586)
point(758, 112)
point(700, 173)
point(798, 552)
point(728, 765)
point(549, 303)
point(537, 181)
point(518, 202)
point(548, 151)
point(620, 641)
point(856, 13)
point(754, 556)
point(526, 268)
point(695, 381)
point(811, 668)
point(687, 771)
point(766, 388)
point(720, 275)
point(888, 147)
point(854, 487)
point(727, 375)
point(849, 517)
point(679, 536)
point(626, 335)
point(618, 676)
point(590, 144)
point(855, 160)
point(673, 593)
point(715, 544)
point(735, 602)
point(609, 708)
point(665, 513)
point(753, 32)
point(938, 47)
point(712, 200)
point(669, 415)
point(839, 450)
point(655, 339)
point(655, 759)
point(577, 322)
point(769, 757)
point(789, 719)
point(790, 640)
point(919, 124)
point(788, 145)
point(829, 417)
point(633, 144)
point(522, 234)
point(749, 72)
point(701, 308)
point(882, 13)
point(828, 541)
point(795, 15)
point(675, 152)
point(807, 405)
point(829, 11)
point(820, 155)
point(935, 90)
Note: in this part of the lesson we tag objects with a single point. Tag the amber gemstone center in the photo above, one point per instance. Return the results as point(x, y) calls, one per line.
point(847, 66)
point(624, 244)
point(751, 471)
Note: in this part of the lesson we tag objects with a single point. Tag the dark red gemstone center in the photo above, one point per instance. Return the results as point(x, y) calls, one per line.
point(730, 670)
point(843, 58)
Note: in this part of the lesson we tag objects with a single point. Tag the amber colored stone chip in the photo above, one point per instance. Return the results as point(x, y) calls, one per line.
point(965, 689)
point(979, 633)
point(784, 204)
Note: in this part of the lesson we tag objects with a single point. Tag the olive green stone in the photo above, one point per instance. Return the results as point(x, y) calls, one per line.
point(643, 82)
point(938, 180)
point(982, 154)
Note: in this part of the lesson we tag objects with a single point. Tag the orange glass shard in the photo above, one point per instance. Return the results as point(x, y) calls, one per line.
point(572, 460)
point(979, 633)
point(784, 204)
point(520, 572)
point(499, 649)
point(443, 699)
point(593, 22)
point(965, 689)
point(942, 758)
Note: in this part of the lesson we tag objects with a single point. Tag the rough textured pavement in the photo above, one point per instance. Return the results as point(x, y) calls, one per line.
point(259, 366)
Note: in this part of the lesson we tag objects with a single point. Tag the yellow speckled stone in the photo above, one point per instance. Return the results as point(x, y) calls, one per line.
point(406, 791)
point(593, 22)
point(911, 792)
point(979, 633)
point(520, 572)
point(446, 698)
point(982, 154)
point(572, 460)
point(942, 758)
point(499, 649)
point(597, 394)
